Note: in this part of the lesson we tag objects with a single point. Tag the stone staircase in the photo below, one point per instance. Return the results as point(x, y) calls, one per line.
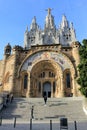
point(55, 109)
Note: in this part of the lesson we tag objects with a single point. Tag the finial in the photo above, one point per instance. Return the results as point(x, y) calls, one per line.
point(71, 25)
point(64, 17)
point(49, 10)
point(34, 19)
point(27, 28)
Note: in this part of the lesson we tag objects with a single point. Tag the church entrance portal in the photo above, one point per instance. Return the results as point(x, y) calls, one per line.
point(44, 79)
point(47, 89)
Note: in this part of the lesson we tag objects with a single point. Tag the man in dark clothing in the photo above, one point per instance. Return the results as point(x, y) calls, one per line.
point(45, 99)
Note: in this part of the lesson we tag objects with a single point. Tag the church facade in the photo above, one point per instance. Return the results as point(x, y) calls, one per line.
point(46, 65)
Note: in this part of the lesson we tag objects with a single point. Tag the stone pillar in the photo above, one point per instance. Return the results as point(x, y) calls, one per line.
point(36, 88)
point(56, 88)
point(74, 87)
point(62, 87)
point(42, 88)
point(28, 87)
point(51, 88)
point(21, 84)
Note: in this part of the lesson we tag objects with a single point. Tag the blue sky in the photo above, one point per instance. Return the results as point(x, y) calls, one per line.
point(15, 15)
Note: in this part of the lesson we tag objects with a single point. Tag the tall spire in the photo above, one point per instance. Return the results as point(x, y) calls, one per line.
point(64, 23)
point(33, 24)
point(26, 29)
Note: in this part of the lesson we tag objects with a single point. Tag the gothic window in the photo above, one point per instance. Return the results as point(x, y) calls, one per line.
point(39, 89)
point(25, 81)
point(54, 87)
point(49, 74)
point(68, 80)
point(43, 74)
point(67, 36)
point(53, 75)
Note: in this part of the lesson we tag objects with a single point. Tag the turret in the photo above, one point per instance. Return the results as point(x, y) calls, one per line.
point(67, 32)
point(7, 50)
point(75, 52)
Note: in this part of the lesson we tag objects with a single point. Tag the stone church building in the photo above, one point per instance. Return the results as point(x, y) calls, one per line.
point(46, 65)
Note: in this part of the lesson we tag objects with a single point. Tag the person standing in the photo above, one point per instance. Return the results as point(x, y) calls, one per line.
point(45, 99)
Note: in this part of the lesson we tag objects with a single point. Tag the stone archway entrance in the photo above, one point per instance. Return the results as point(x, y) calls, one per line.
point(47, 89)
point(44, 66)
point(45, 79)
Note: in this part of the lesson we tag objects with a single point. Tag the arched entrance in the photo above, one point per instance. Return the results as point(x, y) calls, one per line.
point(43, 78)
point(47, 89)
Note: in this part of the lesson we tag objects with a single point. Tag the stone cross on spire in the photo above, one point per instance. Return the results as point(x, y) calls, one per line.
point(49, 10)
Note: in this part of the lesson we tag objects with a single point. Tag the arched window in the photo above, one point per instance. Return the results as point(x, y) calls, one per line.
point(54, 87)
point(68, 80)
point(39, 89)
point(25, 81)
point(52, 75)
point(43, 74)
point(49, 74)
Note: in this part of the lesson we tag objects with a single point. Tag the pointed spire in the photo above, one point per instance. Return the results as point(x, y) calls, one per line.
point(33, 24)
point(34, 20)
point(64, 23)
point(73, 33)
point(71, 25)
point(26, 29)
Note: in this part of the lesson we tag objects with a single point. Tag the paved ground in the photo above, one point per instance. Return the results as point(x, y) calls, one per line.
point(46, 126)
point(70, 108)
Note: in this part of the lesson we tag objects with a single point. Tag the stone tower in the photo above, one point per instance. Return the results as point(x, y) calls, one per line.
point(65, 34)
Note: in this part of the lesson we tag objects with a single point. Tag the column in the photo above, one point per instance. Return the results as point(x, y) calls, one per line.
point(51, 88)
point(21, 84)
point(42, 88)
point(62, 87)
point(57, 85)
point(74, 87)
point(36, 88)
point(28, 86)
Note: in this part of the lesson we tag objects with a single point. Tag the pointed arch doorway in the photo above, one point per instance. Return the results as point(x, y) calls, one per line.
point(47, 89)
